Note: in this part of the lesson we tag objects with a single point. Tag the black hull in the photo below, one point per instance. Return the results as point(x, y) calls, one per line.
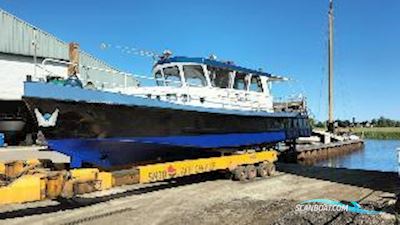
point(97, 120)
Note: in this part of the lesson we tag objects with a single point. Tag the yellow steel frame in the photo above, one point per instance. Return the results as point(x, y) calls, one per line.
point(30, 188)
point(164, 171)
point(2, 169)
point(35, 186)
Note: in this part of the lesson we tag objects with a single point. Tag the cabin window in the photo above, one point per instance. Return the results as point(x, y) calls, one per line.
point(159, 78)
point(194, 76)
point(172, 76)
point(219, 77)
point(240, 81)
point(255, 84)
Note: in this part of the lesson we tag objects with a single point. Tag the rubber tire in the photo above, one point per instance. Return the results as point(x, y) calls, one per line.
point(271, 169)
point(262, 170)
point(240, 174)
point(251, 172)
point(228, 175)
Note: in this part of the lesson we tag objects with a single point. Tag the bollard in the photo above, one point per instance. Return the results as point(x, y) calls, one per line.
point(1, 139)
point(398, 161)
point(397, 204)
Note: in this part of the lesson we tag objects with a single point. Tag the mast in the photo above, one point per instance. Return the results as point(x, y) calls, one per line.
point(330, 65)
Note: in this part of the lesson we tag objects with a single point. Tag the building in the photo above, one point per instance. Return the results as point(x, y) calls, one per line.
point(20, 42)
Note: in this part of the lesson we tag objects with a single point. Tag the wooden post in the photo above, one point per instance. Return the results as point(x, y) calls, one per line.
point(73, 69)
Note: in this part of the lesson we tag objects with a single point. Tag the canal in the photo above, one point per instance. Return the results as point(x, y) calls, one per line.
point(377, 155)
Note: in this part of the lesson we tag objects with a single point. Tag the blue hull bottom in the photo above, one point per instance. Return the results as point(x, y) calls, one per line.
point(113, 152)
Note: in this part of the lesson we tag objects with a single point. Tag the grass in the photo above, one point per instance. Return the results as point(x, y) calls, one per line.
point(383, 133)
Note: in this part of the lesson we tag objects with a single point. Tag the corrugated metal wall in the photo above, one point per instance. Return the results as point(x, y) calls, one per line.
point(16, 37)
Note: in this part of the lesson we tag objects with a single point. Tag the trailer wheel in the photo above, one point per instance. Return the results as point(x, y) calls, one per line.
point(228, 175)
point(262, 170)
point(271, 169)
point(240, 173)
point(251, 172)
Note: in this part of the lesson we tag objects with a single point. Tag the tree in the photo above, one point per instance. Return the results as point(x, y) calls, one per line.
point(385, 122)
point(320, 124)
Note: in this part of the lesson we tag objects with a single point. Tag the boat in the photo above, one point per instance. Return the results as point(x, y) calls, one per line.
point(197, 106)
point(13, 121)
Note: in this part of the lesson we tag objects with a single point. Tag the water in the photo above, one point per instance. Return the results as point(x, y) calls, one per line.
point(378, 155)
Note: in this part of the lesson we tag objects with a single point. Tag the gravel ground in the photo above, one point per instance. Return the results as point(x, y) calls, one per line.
point(212, 200)
point(282, 212)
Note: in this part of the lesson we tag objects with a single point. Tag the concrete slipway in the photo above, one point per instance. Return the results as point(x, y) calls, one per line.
point(214, 200)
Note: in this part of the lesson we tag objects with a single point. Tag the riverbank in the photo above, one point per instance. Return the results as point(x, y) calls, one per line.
point(380, 133)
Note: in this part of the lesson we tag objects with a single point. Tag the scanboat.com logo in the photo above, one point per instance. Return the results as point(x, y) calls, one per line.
point(331, 205)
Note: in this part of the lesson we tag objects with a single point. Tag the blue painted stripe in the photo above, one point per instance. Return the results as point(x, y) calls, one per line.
point(213, 140)
point(79, 151)
point(57, 92)
point(201, 141)
point(91, 150)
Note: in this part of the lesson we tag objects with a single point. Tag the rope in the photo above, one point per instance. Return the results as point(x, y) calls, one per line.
point(131, 50)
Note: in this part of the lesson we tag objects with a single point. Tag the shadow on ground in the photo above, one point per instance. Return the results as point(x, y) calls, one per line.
point(74, 203)
point(375, 180)
point(378, 181)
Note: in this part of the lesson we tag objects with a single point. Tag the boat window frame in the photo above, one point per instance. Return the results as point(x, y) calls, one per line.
point(246, 80)
point(162, 80)
point(228, 86)
point(260, 83)
point(205, 75)
point(181, 78)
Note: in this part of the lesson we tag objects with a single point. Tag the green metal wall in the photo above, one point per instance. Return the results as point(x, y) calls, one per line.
point(16, 37)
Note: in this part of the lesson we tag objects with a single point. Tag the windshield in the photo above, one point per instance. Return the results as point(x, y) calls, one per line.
point(172, 77)
point(255, 84)
point(194, 76)
point(240, 81)
point(219, 77)
point(159, 78)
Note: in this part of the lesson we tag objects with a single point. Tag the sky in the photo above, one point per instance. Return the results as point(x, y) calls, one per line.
point(283, 37)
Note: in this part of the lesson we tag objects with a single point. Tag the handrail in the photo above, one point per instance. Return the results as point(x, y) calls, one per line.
point(104, 70)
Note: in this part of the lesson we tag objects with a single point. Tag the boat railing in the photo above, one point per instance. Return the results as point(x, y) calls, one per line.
point(187, 97)
point(231, 99)
point(222, 101)
point(46, 61)
point(293, 104)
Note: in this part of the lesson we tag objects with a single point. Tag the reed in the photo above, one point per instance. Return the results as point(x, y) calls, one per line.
point(382, 133)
